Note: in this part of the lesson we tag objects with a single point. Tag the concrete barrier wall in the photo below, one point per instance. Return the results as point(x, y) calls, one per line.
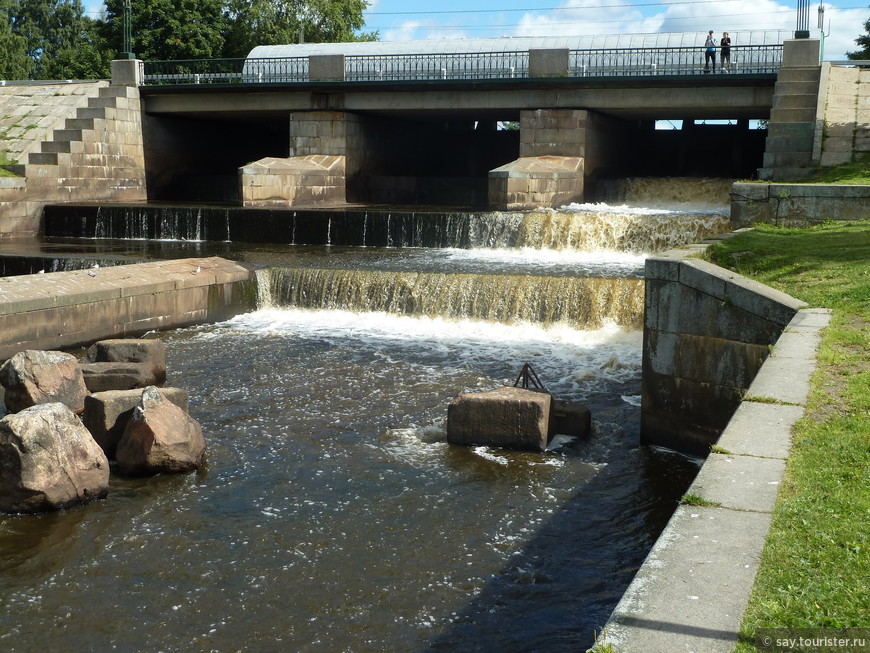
point(797, 204)
point(70, 309)
point(707, 332)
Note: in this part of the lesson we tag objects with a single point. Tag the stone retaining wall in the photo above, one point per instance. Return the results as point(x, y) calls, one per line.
point(69, 309)
point(707, 332)
point(797, 204)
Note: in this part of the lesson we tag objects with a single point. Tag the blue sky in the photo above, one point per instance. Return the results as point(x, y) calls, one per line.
point(404, 20)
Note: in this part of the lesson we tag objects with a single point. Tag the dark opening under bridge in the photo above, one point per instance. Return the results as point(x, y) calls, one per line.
point(424, 123)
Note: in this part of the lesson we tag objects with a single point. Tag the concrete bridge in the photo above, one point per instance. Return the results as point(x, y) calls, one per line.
point(367, 123)
point(332, 124)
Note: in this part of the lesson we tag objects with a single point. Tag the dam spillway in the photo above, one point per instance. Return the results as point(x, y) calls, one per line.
point(331, 514)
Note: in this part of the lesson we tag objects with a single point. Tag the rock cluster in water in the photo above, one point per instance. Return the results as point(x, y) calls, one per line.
point(69, 419)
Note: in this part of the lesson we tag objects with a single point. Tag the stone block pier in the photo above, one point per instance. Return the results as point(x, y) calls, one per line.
point(69, 309)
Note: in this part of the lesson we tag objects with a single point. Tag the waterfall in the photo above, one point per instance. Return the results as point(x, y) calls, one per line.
point(666, 191)
point(583, 303)
point(586, 227)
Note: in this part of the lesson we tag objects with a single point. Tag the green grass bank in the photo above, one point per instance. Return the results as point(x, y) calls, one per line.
point(816, 560)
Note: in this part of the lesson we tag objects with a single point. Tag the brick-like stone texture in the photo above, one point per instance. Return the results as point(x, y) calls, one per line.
point(76, 142)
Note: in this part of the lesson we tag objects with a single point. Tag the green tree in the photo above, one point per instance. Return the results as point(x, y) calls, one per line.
point(169, 29)
point(50, 27)
point(277, 22)
point(14, 62)
point(864, 42)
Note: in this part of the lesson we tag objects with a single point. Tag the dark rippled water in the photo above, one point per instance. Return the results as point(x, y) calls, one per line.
point(331, 516)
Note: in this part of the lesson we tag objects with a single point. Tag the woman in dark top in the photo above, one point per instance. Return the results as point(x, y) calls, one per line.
point(725, 56)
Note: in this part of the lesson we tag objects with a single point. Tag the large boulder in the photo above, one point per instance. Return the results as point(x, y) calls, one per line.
point(48, 460)
point(103, 376)
point(35, 377)
point(149, 352)
point(514, 418)
point(107, 413)
point(159, 437)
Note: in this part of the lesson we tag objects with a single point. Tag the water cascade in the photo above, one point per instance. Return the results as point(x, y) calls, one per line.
point(331, 514)
point(584, 303)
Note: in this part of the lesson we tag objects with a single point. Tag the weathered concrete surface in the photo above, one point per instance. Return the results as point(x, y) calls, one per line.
point(78, 142)
point(797, 204)
point(309, 180)
point(532, 182)
point(692, 590)
point(707, 332)
point(510, 417)
point(68, 309)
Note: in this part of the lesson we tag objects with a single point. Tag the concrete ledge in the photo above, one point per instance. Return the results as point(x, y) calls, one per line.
point(692, 589)
point(69, 309)
point(797, 204)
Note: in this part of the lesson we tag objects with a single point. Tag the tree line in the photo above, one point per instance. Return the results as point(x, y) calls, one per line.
point(55, 39)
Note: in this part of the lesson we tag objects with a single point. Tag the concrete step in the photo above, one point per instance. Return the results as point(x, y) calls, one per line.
point(789, 144)
point(102, 102)
point(784, 174)
point(796, 101)
point(84, 123)
point(791, 130)
point(793, 115)
point(796, 88)
point(91, 112)
point(799, 74)
point(42, 158)
point(788, 159)
point(56, 146)
point(129, 92)
point(67, 135)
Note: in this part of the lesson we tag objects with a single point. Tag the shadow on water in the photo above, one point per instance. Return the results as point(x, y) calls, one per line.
point(556, 592)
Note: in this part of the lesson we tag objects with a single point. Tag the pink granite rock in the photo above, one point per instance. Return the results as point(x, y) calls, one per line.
point(159, 437)
point(40, 377)
point(48, 460)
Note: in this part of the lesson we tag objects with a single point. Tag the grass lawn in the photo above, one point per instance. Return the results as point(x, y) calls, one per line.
point(815, 568)
point(857, 172)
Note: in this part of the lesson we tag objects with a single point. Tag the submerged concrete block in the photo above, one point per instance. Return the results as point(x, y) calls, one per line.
point(514, 418)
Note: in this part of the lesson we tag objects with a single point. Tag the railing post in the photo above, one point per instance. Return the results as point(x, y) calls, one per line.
point(326, 68)
point(548, 63)
point(127, 72)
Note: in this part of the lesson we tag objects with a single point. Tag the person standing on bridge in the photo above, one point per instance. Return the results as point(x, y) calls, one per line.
point(725, 53)
point(710, 53)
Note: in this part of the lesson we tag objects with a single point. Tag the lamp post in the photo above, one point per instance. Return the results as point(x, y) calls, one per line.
point(127, 31)
point(803, 20)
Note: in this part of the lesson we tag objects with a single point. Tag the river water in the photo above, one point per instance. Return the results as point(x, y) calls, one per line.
point(331, 515)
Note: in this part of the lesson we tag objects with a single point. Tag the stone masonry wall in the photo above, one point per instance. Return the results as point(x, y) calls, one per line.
point(97, 154)
point(707, 332)
point(69, 309)
point(797, 204)
point(550, 169)
point(843, 131)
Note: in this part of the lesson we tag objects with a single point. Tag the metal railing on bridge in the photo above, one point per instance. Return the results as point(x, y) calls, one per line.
point(620, 62)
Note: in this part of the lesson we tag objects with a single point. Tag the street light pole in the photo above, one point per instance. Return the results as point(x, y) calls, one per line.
point(127, 31)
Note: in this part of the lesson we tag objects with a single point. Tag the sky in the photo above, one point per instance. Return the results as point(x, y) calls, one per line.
point(406, 20)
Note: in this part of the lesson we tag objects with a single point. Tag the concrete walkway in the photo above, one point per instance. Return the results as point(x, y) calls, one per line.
point(692, 590)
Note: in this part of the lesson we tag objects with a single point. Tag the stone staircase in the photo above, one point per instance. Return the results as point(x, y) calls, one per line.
point(790, 132)
point(95, 155)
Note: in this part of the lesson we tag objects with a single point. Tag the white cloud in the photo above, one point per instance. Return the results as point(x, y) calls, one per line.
point(422, 30)
point(590, 17)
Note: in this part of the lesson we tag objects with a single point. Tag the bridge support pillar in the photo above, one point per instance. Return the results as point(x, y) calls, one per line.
point(317, 169)
point(550, 169)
